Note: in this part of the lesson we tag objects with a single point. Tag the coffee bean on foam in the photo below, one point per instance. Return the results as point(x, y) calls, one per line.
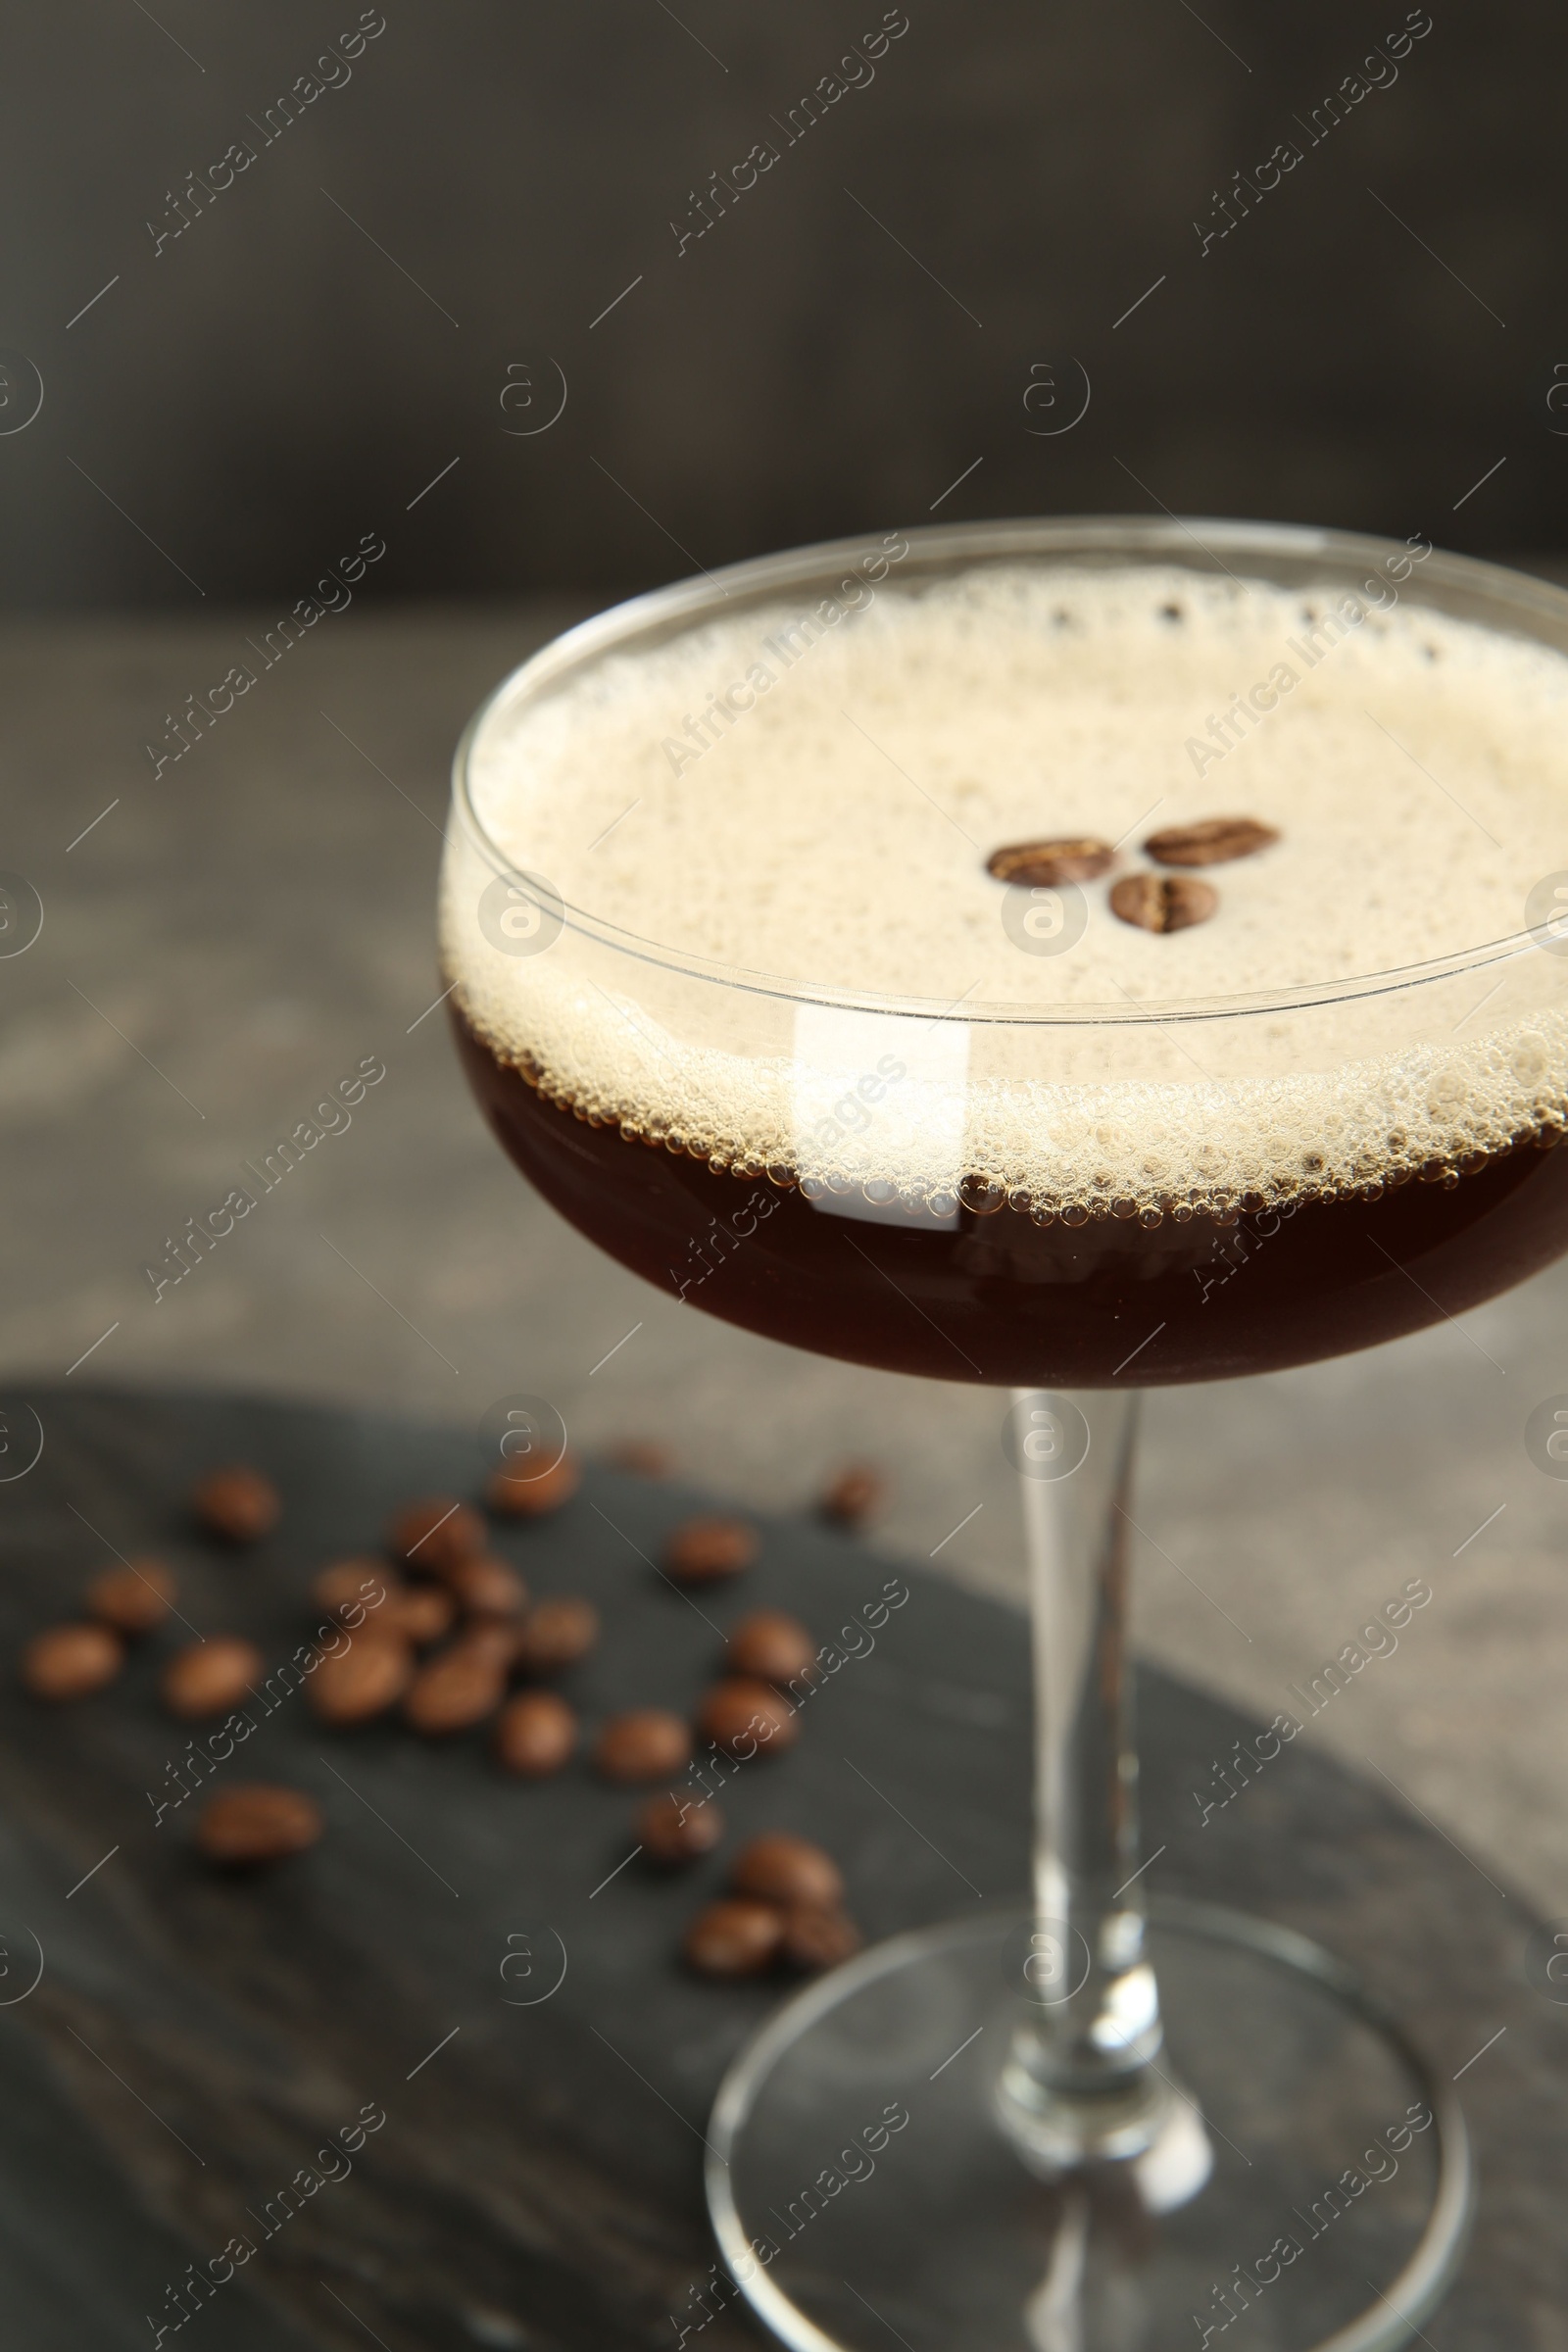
point(1072, 857)
point(1217, 841)
point(1162, 901)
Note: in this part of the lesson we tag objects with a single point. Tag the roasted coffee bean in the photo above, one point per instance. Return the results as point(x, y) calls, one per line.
point(493, 1639)
point(747, 1718)
point(1066, 858)
point(641, 1458)
point(701, 1551)
point(487, 1587)
point(420, 1613)
point(455, 1689)
point(71, 1661)
point(1162, 901)
point(355, 1586)
point(557, 1631)
point(211, 1677)
point(353, 1684)
point(435, 1534)
point(853, 1495)
point(535, 1733)
point(734, 1939)
point(134, 1600)
point(677, 1828)
point(531, 1498)
point(256, 1823)
point(649, 1744)
point(1213, 842)
point(770, 1648)
point(779, 1868)
point(815, 1938)
point(237, 1504)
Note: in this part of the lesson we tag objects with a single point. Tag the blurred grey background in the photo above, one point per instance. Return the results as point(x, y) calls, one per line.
point(312, 343)
point(371, 331)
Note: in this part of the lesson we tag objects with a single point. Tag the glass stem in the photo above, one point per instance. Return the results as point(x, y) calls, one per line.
point(1080, 2082)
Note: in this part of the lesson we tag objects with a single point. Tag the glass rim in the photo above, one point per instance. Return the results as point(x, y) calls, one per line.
point(945, 545)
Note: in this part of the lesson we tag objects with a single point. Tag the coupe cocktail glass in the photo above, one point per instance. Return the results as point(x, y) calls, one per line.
point(1126, 2124)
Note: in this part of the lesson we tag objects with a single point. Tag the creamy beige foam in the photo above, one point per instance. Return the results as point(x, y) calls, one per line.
point(827, 826)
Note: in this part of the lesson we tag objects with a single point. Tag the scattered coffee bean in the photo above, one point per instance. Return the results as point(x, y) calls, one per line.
point(734, 1939)
point(747, 1718)
point(677, 1828)
point(353, 1684)
point(350, 1586)
point(420, 1613)
point(779, 1868)
point(701, 1551)
point(535, 1733)
point(1065, 859)
point(493, 1639)
point(71, 1661)
point(1213, 842)
point(455, 1689)
point(435, 1534)
point(853, 1495)
point(237, 1504)
point(1162, 901)
point(488, 1588)
point(816, 1940)
point(770, 1648)
point(531, 1498)
point(557, 1631)
point(647, 1744)
point(255, 1823)
point(211, 1677)
point(134, 1600)
point(641, 1458)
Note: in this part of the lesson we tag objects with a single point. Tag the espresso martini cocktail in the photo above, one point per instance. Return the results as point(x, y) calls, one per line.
point(1047, 1156)
point(1078, 958)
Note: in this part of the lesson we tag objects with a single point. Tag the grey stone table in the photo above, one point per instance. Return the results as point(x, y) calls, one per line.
point(234, 934)
point(458, 2027)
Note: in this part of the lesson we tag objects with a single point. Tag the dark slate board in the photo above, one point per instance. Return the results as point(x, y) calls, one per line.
point(193, 2042)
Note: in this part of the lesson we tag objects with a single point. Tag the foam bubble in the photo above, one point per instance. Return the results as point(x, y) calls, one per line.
point(811, 800)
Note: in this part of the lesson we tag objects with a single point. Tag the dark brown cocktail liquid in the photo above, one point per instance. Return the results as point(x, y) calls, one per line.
point(1000, 1299)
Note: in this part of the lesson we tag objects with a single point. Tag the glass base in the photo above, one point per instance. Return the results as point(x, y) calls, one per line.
point(1309, 2185)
